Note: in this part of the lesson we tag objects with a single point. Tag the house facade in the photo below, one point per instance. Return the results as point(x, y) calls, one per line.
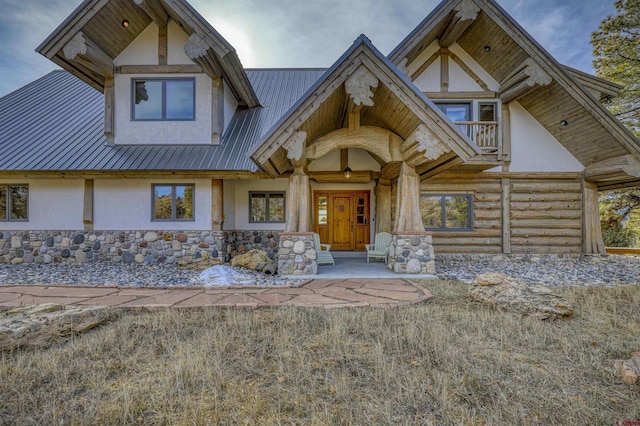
point(155, 145)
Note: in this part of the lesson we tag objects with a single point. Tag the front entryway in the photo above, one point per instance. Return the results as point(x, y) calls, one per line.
point(341, 218)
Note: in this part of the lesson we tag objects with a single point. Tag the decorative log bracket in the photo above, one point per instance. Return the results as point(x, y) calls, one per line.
point(524, 79)
point(84, 51)
point(422, 145)
point(360, 86)
point(466, 13)
point(200, 52)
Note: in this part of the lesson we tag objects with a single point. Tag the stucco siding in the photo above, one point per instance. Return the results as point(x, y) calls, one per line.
point(125, 204)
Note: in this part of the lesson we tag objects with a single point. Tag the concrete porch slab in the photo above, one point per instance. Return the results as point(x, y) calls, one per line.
point(357, 267)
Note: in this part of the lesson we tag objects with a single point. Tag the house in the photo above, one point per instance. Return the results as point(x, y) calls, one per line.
point(155, 145)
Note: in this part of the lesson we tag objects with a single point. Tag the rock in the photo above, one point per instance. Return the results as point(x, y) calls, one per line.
point(17, 261)
point(81, 257)
point(414, 266)
point(200, 265)
point(298, 247)
point(78, 239)
point(139, 258)
point(630, 369)
point(43, 325)
point(515, 296)
point(65, 243)
point(151, 236)
point(127, 258)
point(16, 242)
point(255, 260)
point(176, 245)
point(182, 238)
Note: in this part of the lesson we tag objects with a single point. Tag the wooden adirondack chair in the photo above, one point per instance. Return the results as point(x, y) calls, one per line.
point(380, 247)
point(323, 255)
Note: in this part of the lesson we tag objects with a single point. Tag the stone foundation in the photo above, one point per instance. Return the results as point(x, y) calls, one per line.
point(411, 253)
point(131, 247)
point(297, 254)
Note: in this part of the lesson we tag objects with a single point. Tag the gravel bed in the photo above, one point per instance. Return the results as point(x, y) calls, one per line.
point(109, 274)
point(594, 271)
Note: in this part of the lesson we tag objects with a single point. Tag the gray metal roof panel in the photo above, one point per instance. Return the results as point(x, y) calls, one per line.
point(56, 124)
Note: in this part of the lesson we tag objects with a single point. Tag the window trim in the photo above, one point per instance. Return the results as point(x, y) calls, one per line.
point(443, 211)
point(164, 97)
point(173, 202)
point(7, 217)
point(267, 197)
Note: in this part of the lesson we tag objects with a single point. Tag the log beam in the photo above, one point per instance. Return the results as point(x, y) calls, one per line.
point(506, 215)
point(217, 110)
point(217, 204)
point(298, 201)
point(154, 10)
point(444, 70)
point(87, 209)
point(613, 169)
point(380, 142)
point(522, 80)
point(383, 206)
point(592, 242)
point(408, 217)
point(83, 50)
point(109, 100)
point(466, 13)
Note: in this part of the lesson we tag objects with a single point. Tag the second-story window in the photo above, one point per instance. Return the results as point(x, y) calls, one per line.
point(158, 99)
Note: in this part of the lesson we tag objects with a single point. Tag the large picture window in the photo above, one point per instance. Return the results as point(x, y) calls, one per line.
point(14, 200)
point(163, 99)
point(266, 207)
point(173, 202)
point(447, 212)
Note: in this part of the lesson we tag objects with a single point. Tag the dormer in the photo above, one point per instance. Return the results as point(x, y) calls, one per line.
point(167, 76)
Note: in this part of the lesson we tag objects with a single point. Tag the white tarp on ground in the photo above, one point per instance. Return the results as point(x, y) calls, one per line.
point(223, 275)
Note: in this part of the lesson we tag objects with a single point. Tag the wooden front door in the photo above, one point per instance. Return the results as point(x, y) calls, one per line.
point(341, 218)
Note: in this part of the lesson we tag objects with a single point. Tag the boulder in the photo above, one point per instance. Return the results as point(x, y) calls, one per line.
point(629, 369)
point(223, 275)
point(513, 295)
point(43, 325)
point(198, 265)
point(255, 260)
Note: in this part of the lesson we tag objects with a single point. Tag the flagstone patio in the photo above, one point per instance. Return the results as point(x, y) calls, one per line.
point(323, 293)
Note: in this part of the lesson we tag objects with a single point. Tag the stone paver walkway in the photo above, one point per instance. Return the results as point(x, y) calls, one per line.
point(334, 293)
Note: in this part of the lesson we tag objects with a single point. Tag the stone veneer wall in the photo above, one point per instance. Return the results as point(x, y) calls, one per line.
point(131, 247)
point(297, 254)
point(411, 253)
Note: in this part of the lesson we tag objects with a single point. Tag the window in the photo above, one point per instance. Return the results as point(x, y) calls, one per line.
point(163, 99)
point(457, 112)
point(266, 207)
point(446, 212)
point(14, 200)
point(173, 202)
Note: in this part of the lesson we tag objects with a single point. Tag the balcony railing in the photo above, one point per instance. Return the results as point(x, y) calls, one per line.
point(485, 135)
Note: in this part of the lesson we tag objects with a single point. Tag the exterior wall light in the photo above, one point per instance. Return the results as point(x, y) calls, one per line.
point(487, 48)
point(347, 173)
point(125, 23)
point(564, 123)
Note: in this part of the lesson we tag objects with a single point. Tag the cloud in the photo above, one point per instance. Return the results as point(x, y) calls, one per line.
point(294, 33)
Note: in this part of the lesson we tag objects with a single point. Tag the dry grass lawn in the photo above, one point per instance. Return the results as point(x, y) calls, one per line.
point(446, 361)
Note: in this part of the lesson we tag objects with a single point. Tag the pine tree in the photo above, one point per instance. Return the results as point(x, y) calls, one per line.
point(616, 51)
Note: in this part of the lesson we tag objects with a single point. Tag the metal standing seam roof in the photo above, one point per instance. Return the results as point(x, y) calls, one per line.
point(56, 123)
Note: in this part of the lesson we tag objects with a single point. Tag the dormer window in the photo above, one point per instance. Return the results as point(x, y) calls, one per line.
point(163, 99)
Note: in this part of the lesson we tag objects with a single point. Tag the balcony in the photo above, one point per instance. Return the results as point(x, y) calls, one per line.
point(485, 134)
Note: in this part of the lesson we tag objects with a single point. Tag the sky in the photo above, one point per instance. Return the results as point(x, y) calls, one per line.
point(299, 33)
